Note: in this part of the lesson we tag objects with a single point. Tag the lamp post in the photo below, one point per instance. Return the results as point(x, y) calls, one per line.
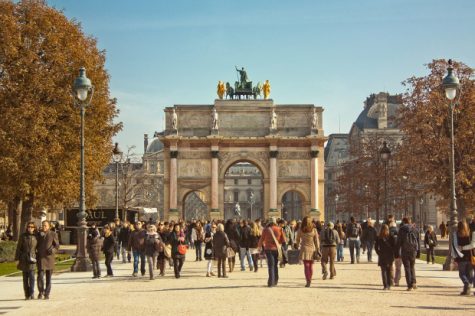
point(404, 178)
point(336, 204)
point(385, 154)
point(83, 91)
point(451, 84)
point(117, 157)
point(251, 200)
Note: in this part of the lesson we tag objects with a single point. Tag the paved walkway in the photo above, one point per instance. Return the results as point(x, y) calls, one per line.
point(356, 290)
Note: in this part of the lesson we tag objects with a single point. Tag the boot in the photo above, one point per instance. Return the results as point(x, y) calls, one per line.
point(466, 290)
point(308, 283)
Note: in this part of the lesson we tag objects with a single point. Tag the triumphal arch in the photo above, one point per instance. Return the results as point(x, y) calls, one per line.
point(284, 141)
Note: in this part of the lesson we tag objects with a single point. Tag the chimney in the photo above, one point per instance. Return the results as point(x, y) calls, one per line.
point(145, 143)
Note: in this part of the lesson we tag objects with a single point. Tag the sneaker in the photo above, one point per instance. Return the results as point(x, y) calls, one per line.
point(409, 289)
point(134, 274)
point(325, 274)
point(414, 287)
point(46, 297)
point(208, 275)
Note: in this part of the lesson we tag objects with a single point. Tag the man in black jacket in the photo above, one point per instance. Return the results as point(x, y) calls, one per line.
point(245, 232)
point(408, 243)
point(123, 240)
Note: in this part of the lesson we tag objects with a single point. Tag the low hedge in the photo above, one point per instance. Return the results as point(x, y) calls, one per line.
point(7, 251)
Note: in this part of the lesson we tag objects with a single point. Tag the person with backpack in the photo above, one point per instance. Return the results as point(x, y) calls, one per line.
point(409, 248)
point(430, 242)
point(370, 236)
point(385, 248)
point(153, 245)
point(330, 240)
point(353, 233)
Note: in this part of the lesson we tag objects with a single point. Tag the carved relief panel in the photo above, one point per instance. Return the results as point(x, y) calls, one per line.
point(194, 168)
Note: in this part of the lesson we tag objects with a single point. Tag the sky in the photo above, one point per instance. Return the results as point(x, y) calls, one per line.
point(332, 54)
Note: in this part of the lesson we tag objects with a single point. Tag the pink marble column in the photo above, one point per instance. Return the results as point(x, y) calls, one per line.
point(314, 180)
point(273, 181)
point(173, 181)
point(214, 181)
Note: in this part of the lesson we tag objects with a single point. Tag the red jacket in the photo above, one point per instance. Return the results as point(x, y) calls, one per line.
point(267, 241)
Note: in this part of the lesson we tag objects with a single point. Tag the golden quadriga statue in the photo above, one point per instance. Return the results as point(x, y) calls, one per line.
point(221, 90)
point(266, 89)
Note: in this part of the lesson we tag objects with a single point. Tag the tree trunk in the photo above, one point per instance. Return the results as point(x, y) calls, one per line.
point(16, 216)
point(26, 211)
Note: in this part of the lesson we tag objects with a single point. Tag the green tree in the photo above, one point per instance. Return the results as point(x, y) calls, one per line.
point(425, 150)
point(40, 54)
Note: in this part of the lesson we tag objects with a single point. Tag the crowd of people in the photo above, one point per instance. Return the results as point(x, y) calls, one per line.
point(154, 245)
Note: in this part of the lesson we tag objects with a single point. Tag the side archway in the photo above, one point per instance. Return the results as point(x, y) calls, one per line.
point(293, 205)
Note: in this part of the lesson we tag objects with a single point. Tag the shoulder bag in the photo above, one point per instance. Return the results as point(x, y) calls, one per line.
point(279, 247)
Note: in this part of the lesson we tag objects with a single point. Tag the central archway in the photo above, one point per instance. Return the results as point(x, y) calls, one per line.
point(243, 191)
point(195, 206)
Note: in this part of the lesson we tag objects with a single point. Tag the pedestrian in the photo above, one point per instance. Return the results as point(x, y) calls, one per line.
point(462, 253)
point(443, 230)
point(341, 245)
point(271, 240)
point(26, 255)
point(370, 236)
point(329, 239)
point(197, 236)
point(308, 242)
point(220, 245)
point(430, 242)
point(94, 246)
point(116, 232)
point(409, 246)
point(233, 249)
point(124, 236)
point(177, 240)
point(385, 248)
point(209, 254)
point(393, 232)
point(48, 245)
point(136, 245)
point(254, 236)
point(244, 252)
point(108, 248)
point(164, 253)
point(353, 233)
point(153, 245)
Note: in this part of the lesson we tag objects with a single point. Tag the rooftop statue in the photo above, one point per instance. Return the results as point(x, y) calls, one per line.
point(174, 120)
point(214, 116)
point(243, 75)
point(273, 121)
point(221, 90)
point(266, 89)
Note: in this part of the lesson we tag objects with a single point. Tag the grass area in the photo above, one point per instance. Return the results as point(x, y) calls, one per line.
point(438, 259)
point(7, 268)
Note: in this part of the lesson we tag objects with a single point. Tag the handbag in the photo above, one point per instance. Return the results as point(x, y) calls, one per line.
point(230, 253)
point(182, 249)
point(317, 255)
point(167, 251)
point(31, 259)
point(280, 256)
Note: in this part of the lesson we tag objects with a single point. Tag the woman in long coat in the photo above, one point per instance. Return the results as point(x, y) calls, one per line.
point(220, 246)
point(48, 245)
point(26, 256)
point(307, 239)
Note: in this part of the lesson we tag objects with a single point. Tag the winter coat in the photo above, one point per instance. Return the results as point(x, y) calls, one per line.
point(209, 246)
point(233, 237)
point(245, 234)
point(48, 245)
point(137, 240)
point(108, 245)
point(308, 242)
point(124, 236)
point(402, 239)
point(385, 248)
point(220, 244)
point(369, 234)
point(152, 242)
point(175, 241)
point(253, 241)
point(430, 239)
point(94, 246)
point(26, 250)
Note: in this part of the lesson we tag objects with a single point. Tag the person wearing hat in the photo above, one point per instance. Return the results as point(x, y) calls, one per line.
point(94, 245)
point(329, 239)
point(271, 240)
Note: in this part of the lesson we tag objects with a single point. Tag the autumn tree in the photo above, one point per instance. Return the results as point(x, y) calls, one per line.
point(40, 54)
point(425, 150)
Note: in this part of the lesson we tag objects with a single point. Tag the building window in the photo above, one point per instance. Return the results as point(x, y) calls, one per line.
point(249, 181)
point(236, 196)
point(236, 181)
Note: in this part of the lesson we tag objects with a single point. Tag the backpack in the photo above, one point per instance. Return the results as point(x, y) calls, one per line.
point(329, 236)
point(354, 231)
point(411, 243)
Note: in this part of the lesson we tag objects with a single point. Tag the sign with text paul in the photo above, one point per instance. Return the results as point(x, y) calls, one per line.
point(98, 217)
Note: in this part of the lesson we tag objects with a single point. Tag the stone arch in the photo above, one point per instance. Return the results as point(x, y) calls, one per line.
point(202, 208)
point(228, 163)
point(305, 195)
point(304, 202)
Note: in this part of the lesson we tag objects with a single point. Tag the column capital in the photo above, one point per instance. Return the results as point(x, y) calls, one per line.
point(174, 154)
point(215, 154)
point(273, 153)
point(314, 153)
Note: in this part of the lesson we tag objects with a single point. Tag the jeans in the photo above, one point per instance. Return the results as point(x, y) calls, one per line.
point(465, 272)
point(387, 275)
point(339, 252)
point(397, 274)
point(29, 282)
point(151, 260)
point(177, 265)
point(369, 249)
point(108, 262)
point(409, 269)
point(41, 281)
point(355, 245)
point(117, 249)
point(328, 254)
point(96, 269)
point(198, 249)
point(308, 269)
point(245, 253)
point(273, 267)
point(430, 254)
point(125, 254)
point(139, 255)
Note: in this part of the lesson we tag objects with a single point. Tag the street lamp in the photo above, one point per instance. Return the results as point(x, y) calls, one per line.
point(404, 178)
point(421, 221)
point(83, 91)
point(451, 84)
point(116, 157)
point(385, 154)
point(366, 200)
point(251, 200)
point(336, 205)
